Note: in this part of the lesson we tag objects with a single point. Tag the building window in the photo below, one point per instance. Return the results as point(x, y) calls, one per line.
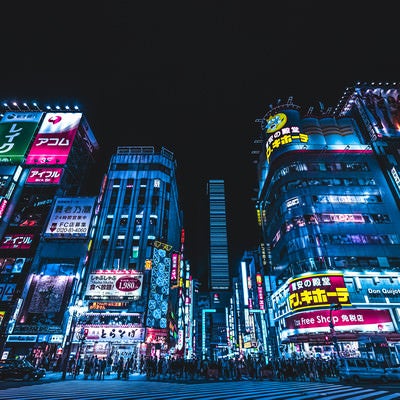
point(135, 251)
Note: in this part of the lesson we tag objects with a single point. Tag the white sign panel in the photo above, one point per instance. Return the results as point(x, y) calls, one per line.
point(114, 284)
point(21, 338)
point(111, 333)
point(70, 217)
point(60, 122)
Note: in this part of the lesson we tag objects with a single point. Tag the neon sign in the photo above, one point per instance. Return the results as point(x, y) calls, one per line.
point(281, 135)
point(318, 290)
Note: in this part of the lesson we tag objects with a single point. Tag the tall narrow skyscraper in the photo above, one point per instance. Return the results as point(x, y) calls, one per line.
point(219, 275)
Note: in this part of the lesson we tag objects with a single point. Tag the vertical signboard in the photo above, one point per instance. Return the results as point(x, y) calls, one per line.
point(16, 132)
point(45, 304)
point(46, 175)
point(16, 241)
point(382, 107)
point(318, 290)
point(159, 286)
point(70, 216)
point(54, 140)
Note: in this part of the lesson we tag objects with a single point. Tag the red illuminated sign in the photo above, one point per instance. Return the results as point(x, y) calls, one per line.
point(17, 241)
point(3, 205)
point(50, 148)
point(128, 284)
point(106, 305)
point(44, 175)
point(260, 292)
point(318, 290)
point(54, 140)
point(174, 269)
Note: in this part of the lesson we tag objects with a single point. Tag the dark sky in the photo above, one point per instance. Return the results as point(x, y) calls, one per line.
point(193, 76)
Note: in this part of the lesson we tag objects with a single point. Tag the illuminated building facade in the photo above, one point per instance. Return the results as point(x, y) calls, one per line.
point(219, 276)
point(329, 209)
point(135, 254)
point(46, 158)
point(250, 308)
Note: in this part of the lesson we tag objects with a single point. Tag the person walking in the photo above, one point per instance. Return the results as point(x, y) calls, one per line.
point(86, 369)
point(120, 367)
point(102, 368)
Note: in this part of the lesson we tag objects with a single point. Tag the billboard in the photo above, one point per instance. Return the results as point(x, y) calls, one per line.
point(159, 286)
point(7, 291)
point(54, 139)
point(16, 241)
point(16, 132)
point(45, 304)
point(111, 333)
point(12, 265)
point(6, 179)
point(44, 175)
point(317, 290)
point(70, 217)
point(32, 208)
point(286, 131)
point(87, 136)
point(382, 106)
point(114, 285)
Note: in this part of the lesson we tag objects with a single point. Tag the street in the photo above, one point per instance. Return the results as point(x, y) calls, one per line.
point(138, 387)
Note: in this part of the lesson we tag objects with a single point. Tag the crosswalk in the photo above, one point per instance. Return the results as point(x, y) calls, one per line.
point(151, 390)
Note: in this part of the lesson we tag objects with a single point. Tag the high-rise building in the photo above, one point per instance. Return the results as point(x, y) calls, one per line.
point(46, 159)
point(137, 234)
point(219, 272)
point(219, 277)
point(328, 209)
point(250, 335)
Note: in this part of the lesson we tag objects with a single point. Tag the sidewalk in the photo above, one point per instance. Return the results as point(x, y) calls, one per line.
point(57, 376)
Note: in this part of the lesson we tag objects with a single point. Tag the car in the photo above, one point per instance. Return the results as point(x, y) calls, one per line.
point(360, 369)
point(391, 374)
point(20, 369)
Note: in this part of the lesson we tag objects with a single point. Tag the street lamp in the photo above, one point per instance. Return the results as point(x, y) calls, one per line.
point(77, 310)
point(335, 306)
point(81, 336)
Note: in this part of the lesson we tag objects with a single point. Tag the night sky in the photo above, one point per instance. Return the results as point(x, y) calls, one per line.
point(193, 76)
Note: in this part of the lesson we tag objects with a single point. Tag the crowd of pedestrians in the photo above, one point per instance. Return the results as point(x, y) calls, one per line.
point(180, 369)
point(241, 368)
